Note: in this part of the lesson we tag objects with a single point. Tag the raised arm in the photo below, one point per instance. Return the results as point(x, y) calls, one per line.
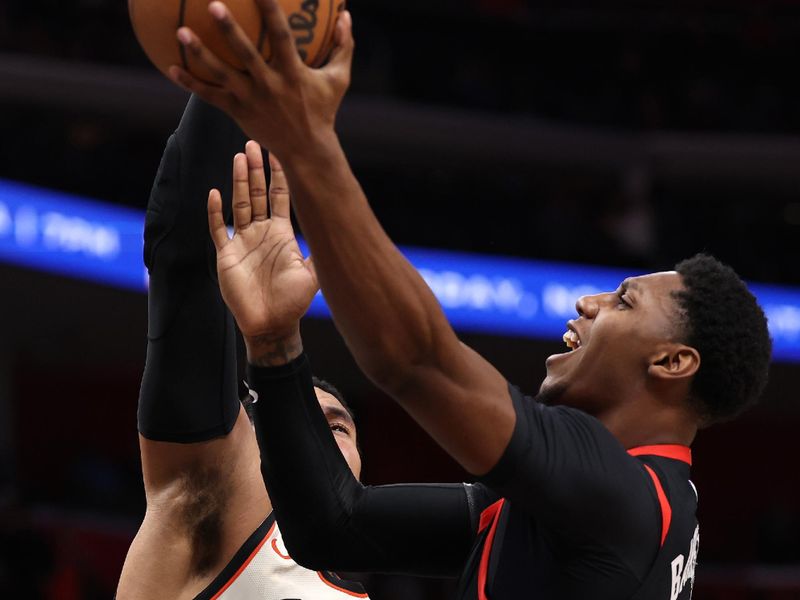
point(328, 519)
point(388, 316)
point(189, 392)
point(199, 454)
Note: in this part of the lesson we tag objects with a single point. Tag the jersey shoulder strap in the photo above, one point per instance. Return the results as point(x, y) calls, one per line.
point(264, 569)
point(239, 561)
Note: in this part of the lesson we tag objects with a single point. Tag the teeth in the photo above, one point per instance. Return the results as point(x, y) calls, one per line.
point(571, 340)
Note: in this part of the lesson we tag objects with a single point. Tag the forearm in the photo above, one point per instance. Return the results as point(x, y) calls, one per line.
point(389, 317)
point(386, 312)
point(328, 519)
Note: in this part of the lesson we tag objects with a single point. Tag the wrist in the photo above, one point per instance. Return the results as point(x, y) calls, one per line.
point(273, 350)
point(318, 147)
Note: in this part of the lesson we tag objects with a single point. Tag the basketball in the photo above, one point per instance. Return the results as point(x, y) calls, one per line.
point(156, 22)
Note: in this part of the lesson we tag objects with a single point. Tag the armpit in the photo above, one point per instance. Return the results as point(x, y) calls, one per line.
point(201, 509)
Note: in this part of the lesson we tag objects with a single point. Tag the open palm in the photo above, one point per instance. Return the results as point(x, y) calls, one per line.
point(264, 279)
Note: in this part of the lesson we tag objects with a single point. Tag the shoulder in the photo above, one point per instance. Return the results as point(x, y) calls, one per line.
point(564, 462)
point(556, 442)
point(533, 410)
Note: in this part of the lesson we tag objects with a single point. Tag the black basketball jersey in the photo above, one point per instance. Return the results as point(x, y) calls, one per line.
point(567, 513)
point(583, 518)
point(675, 564)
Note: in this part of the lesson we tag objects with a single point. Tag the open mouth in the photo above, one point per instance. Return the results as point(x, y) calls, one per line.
point(572, 340)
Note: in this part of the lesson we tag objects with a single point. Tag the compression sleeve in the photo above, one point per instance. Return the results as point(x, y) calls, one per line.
point(565, 468)
point(328, 519)
point(189, 390)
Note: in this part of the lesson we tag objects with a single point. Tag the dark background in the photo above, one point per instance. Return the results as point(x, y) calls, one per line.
point(628, 134)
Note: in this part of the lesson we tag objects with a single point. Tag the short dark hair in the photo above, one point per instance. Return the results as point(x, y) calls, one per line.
point(322, 384)
point(724, 323)
point(327, 386)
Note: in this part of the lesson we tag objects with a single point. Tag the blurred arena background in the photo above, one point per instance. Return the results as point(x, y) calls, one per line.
point(618, 134)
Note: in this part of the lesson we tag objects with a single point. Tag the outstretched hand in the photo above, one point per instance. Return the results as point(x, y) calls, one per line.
point(283, 104)
point(264, 279)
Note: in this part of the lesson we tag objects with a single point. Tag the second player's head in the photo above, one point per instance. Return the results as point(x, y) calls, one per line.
point(694, 339)
point(341, 422)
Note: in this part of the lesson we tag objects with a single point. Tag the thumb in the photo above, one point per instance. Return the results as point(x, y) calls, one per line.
point(341, 61)
point(309, 262)
point(216, 220)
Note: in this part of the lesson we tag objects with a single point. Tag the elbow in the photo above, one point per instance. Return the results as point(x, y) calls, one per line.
point(322, 550)
point(393, 364)
point(386, 371)
point(328, 541)
point(391, 352)
point(313, 556)
point(322, 536)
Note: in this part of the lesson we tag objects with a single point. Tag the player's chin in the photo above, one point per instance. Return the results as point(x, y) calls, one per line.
point(551, 390)
point(558, 368)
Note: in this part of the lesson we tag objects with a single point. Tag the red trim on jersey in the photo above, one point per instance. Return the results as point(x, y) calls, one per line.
point(673, 451)
point(244, 564)
point(666, 509)
point(278, 552)
point(341, 589)
point(489, 515)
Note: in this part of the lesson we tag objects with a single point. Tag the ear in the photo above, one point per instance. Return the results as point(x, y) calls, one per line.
point(673, 362)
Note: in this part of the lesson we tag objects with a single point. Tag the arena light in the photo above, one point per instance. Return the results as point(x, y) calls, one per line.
point(66, 235)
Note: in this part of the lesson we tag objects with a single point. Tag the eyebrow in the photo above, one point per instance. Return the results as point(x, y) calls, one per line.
point(629, 283)
point(333, 412)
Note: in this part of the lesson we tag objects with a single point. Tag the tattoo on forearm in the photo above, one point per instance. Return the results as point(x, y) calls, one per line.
point(268, 352)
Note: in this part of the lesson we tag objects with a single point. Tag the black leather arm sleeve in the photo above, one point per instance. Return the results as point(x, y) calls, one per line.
point(189, 389)
point(328, 519)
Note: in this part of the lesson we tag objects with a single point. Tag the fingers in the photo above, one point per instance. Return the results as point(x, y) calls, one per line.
point(341, 60)
point(258, 181)
point(281, 41)
point(279, 202)
point(237, 39)
point(216, 220)
point(242, 212)
point(210, 93)
point(221, 74)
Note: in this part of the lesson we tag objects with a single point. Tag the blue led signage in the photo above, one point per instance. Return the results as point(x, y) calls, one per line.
point(62, 234)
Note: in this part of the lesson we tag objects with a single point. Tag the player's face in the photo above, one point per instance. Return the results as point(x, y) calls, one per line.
point(615, 339)
point(343, 429)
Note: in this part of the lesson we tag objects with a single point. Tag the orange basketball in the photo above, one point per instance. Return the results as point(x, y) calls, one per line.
point(156, 22)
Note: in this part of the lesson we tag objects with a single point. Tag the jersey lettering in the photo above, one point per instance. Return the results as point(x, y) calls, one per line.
point(683, 569)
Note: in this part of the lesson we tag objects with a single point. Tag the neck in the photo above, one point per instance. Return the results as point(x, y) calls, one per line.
point(646, 423)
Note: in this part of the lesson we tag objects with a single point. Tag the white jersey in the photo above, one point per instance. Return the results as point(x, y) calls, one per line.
point(263, 570)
